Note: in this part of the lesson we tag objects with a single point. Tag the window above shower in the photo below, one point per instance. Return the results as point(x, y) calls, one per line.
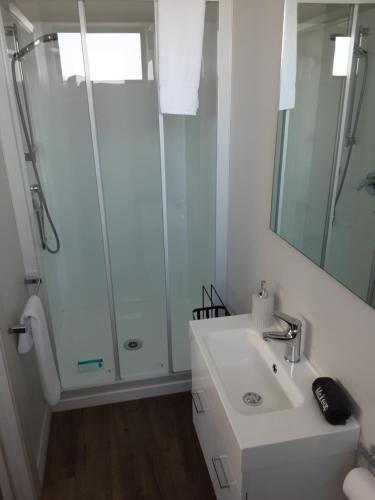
point(324, 182)
point(113, 57)
point(120, 43)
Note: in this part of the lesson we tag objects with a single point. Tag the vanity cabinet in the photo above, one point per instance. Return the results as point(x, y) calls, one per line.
point(279, 455)
point(218, 443)
point(216, 438)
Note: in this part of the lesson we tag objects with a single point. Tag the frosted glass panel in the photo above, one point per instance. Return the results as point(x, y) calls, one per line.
point(75, 277)
point(190, 146)
point(128, 135)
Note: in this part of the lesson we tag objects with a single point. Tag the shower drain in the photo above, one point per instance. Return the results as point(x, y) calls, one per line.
point(252, 399)
point(133, 344)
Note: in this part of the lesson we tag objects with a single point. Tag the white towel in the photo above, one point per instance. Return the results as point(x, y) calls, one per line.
point(288, 73)
point(179, 42)
point(34, 319)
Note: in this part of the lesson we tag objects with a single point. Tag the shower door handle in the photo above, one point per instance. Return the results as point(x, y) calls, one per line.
point(39, 213)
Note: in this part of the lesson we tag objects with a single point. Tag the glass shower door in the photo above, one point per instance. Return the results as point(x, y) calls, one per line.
point(190, 157)
point(94, 111)
point(120, 51)
point(75, 277)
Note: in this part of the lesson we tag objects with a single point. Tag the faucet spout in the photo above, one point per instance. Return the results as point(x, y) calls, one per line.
point(281, 336)
point(291, 335)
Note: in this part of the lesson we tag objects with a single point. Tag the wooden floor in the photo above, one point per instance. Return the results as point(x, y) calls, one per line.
point(145, 449)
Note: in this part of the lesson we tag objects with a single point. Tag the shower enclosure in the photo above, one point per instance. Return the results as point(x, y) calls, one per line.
point(323, 184)
point(132, 193)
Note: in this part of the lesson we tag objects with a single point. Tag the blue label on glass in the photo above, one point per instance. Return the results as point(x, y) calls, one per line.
point(90, 365)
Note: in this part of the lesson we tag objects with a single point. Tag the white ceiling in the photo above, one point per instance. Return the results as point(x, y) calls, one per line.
point(96, 10)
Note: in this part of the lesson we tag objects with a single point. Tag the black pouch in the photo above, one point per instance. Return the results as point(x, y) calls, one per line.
point(332, 400)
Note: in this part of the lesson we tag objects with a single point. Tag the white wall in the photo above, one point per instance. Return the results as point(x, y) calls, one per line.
point(33, 411)
point(340, 335)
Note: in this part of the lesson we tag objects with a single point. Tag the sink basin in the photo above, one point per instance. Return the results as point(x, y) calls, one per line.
point(252, 377)
point(260, 429)
point(240, 363)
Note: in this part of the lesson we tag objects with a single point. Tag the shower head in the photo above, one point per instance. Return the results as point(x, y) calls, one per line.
point(50, 37)
point(358, 50)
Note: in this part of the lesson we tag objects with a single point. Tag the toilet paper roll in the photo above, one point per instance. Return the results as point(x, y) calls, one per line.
point(359, 484)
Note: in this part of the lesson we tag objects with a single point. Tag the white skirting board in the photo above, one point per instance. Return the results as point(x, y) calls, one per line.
point(124, 391)
point(43, 443)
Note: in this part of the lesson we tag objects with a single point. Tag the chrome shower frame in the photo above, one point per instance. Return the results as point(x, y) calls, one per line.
point(13, 31)
point(39, 199)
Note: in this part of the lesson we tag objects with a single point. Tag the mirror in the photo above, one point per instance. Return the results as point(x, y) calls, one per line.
point(324, 181)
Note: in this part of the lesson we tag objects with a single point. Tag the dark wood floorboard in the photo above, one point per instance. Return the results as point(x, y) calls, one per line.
point(138, 450)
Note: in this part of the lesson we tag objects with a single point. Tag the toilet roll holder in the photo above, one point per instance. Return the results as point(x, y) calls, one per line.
point(369, 456)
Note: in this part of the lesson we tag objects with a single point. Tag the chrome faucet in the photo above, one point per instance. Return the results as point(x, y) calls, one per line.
point(291, 336)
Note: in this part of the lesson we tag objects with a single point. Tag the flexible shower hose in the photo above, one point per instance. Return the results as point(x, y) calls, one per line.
point(35, 168)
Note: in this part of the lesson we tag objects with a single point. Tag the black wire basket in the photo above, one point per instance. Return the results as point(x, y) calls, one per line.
point(216, 307)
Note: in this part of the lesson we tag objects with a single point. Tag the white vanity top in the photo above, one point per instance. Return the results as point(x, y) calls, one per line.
point(239, 361)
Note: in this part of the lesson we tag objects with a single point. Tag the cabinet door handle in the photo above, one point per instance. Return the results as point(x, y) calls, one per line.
point(198, 405)
point(225, 483)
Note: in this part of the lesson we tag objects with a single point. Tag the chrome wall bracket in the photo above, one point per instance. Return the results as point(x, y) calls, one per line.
point(29, 157)
point(34, 280)
point(369, 456)
point(9, 30)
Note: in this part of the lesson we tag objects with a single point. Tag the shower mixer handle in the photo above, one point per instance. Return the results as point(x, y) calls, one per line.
point(39, 213)
point(31, 156)
point(35, 197)
point(350, 140)
point(368, 183)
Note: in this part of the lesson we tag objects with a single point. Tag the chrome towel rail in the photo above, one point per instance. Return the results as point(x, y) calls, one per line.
point(17, 329)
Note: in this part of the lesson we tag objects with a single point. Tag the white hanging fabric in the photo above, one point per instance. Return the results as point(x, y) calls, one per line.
point(288, 73)
point(34, 319)
point(179, 42)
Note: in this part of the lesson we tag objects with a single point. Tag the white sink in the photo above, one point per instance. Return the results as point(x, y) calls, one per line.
point(238, 361)
point(279, 446)
point(252, 377)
